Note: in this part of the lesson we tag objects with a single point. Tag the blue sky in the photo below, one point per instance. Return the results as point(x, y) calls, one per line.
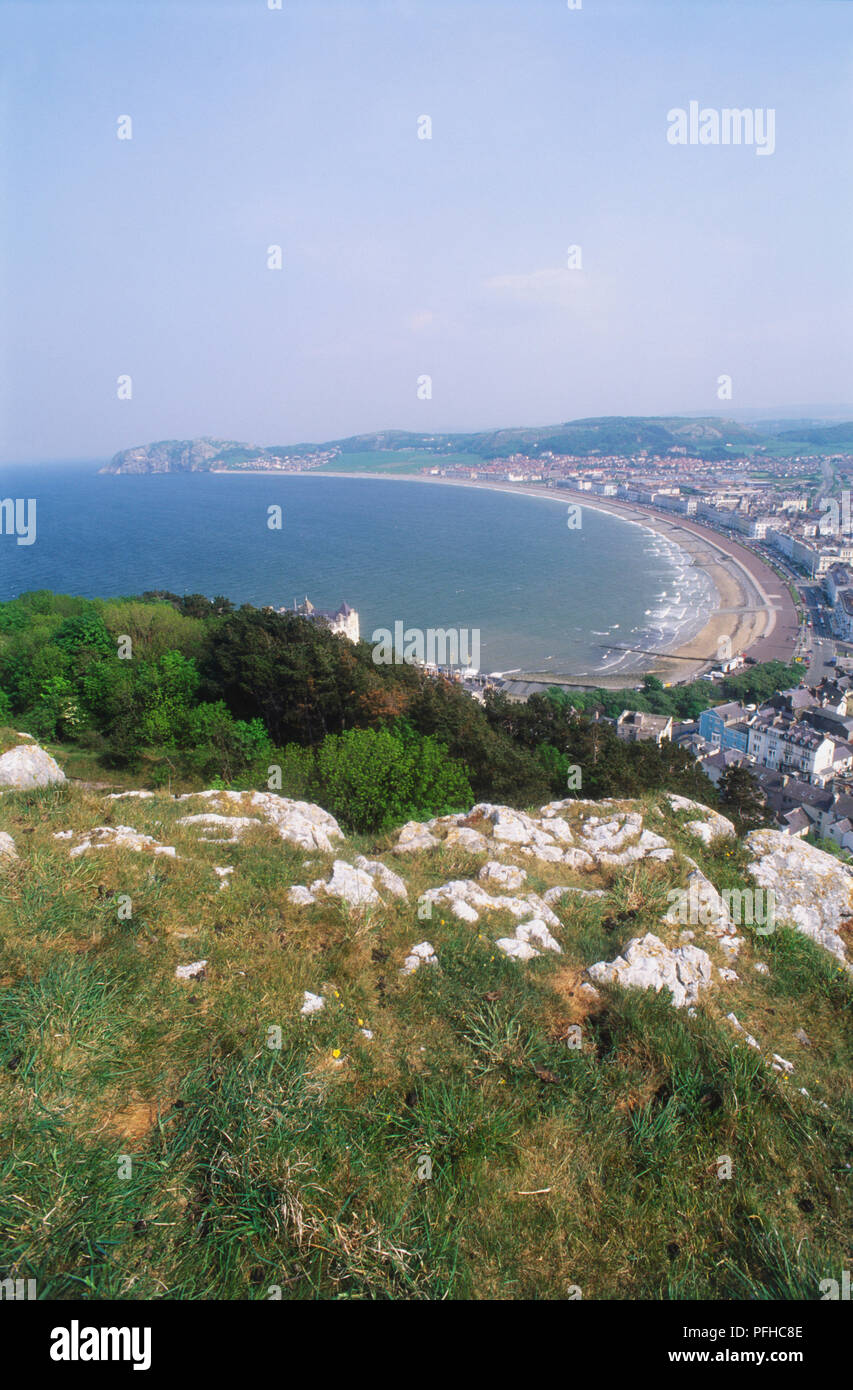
point(401, 257)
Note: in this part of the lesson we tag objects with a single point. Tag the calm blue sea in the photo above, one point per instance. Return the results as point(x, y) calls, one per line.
point(542, 596)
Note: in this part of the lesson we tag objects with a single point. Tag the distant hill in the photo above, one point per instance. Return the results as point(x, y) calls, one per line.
point(840, 435)
point(709, 437)
point(182, 456)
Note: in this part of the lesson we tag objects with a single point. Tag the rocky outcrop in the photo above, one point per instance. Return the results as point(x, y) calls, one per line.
point(808, 888)
point(467, 899)
point(298, 822)
point(708, 825)
point(384, 877)
point(812, 890)
point(350, 885)
point(521, 943)
point(570, 832)
point(113, 837)
point(504, 875)
point(28, 766)
point(646, 963)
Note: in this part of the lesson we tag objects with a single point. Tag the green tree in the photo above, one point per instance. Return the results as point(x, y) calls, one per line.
point(743, 800)
point(372, 778)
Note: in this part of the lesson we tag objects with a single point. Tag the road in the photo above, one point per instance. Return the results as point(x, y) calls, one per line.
point(820, 668)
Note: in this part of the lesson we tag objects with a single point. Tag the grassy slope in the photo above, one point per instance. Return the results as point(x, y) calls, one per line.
point(256, 1166)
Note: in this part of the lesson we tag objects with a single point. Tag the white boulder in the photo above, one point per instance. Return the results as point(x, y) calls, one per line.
point(812, 890)
point(391, 882)
point(504, 875)
point(647, 963)
point(28, 766)
point(351, 885)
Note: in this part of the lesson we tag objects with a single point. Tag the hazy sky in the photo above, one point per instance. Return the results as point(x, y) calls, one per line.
point(404, 256)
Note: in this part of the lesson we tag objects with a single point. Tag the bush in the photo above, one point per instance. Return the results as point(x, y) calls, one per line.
point(372, 778)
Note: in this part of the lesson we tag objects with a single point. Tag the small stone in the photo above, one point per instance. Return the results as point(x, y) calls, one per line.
point(191, 972)
point(311, 1003)
point(519, 950)
point(422, 954)
point(299, 896)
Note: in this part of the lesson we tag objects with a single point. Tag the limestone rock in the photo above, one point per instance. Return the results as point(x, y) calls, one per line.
point(466, 838)
point(467, 899)
point(553, 895)
point(504, 875)
point(526, 934)
point(779, 1064)
point(612, 839)
point(351, 885)
point(195, 971)
point(28, 766)
point(300, 823)
point(311, 1003)
point(712, 825)
point(422, 954)
point(7, 846)
point(520, 950)
point(235, 825)
point(649, 964)
point(391, 882)
point(747, 1037)
point(115, 837)
point(299, 896)
point(414, 836)
point(701, 905)
point(812, 890)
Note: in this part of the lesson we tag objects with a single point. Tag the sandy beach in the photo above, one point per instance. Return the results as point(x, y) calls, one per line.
point(754, 616)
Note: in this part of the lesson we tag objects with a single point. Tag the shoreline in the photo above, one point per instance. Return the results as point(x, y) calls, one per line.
point(754, 612)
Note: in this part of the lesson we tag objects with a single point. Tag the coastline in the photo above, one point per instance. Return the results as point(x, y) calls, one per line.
point(754, 612)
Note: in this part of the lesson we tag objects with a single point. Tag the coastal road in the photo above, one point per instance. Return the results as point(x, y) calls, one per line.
point(822, 665)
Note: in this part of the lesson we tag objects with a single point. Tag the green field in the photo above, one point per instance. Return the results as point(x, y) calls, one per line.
point(393, 461)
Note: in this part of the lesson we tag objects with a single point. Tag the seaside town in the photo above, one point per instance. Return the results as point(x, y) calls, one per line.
point(794, 515)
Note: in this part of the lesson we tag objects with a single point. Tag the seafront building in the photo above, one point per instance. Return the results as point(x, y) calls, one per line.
point(800, 735)
point(344, 621)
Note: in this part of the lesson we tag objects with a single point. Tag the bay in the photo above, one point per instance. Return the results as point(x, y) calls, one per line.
point(543, 596)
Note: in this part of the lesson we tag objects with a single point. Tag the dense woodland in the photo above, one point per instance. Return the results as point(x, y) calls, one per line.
point(195, 689)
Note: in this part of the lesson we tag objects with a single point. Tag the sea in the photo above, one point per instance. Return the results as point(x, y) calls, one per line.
point(543, 597)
